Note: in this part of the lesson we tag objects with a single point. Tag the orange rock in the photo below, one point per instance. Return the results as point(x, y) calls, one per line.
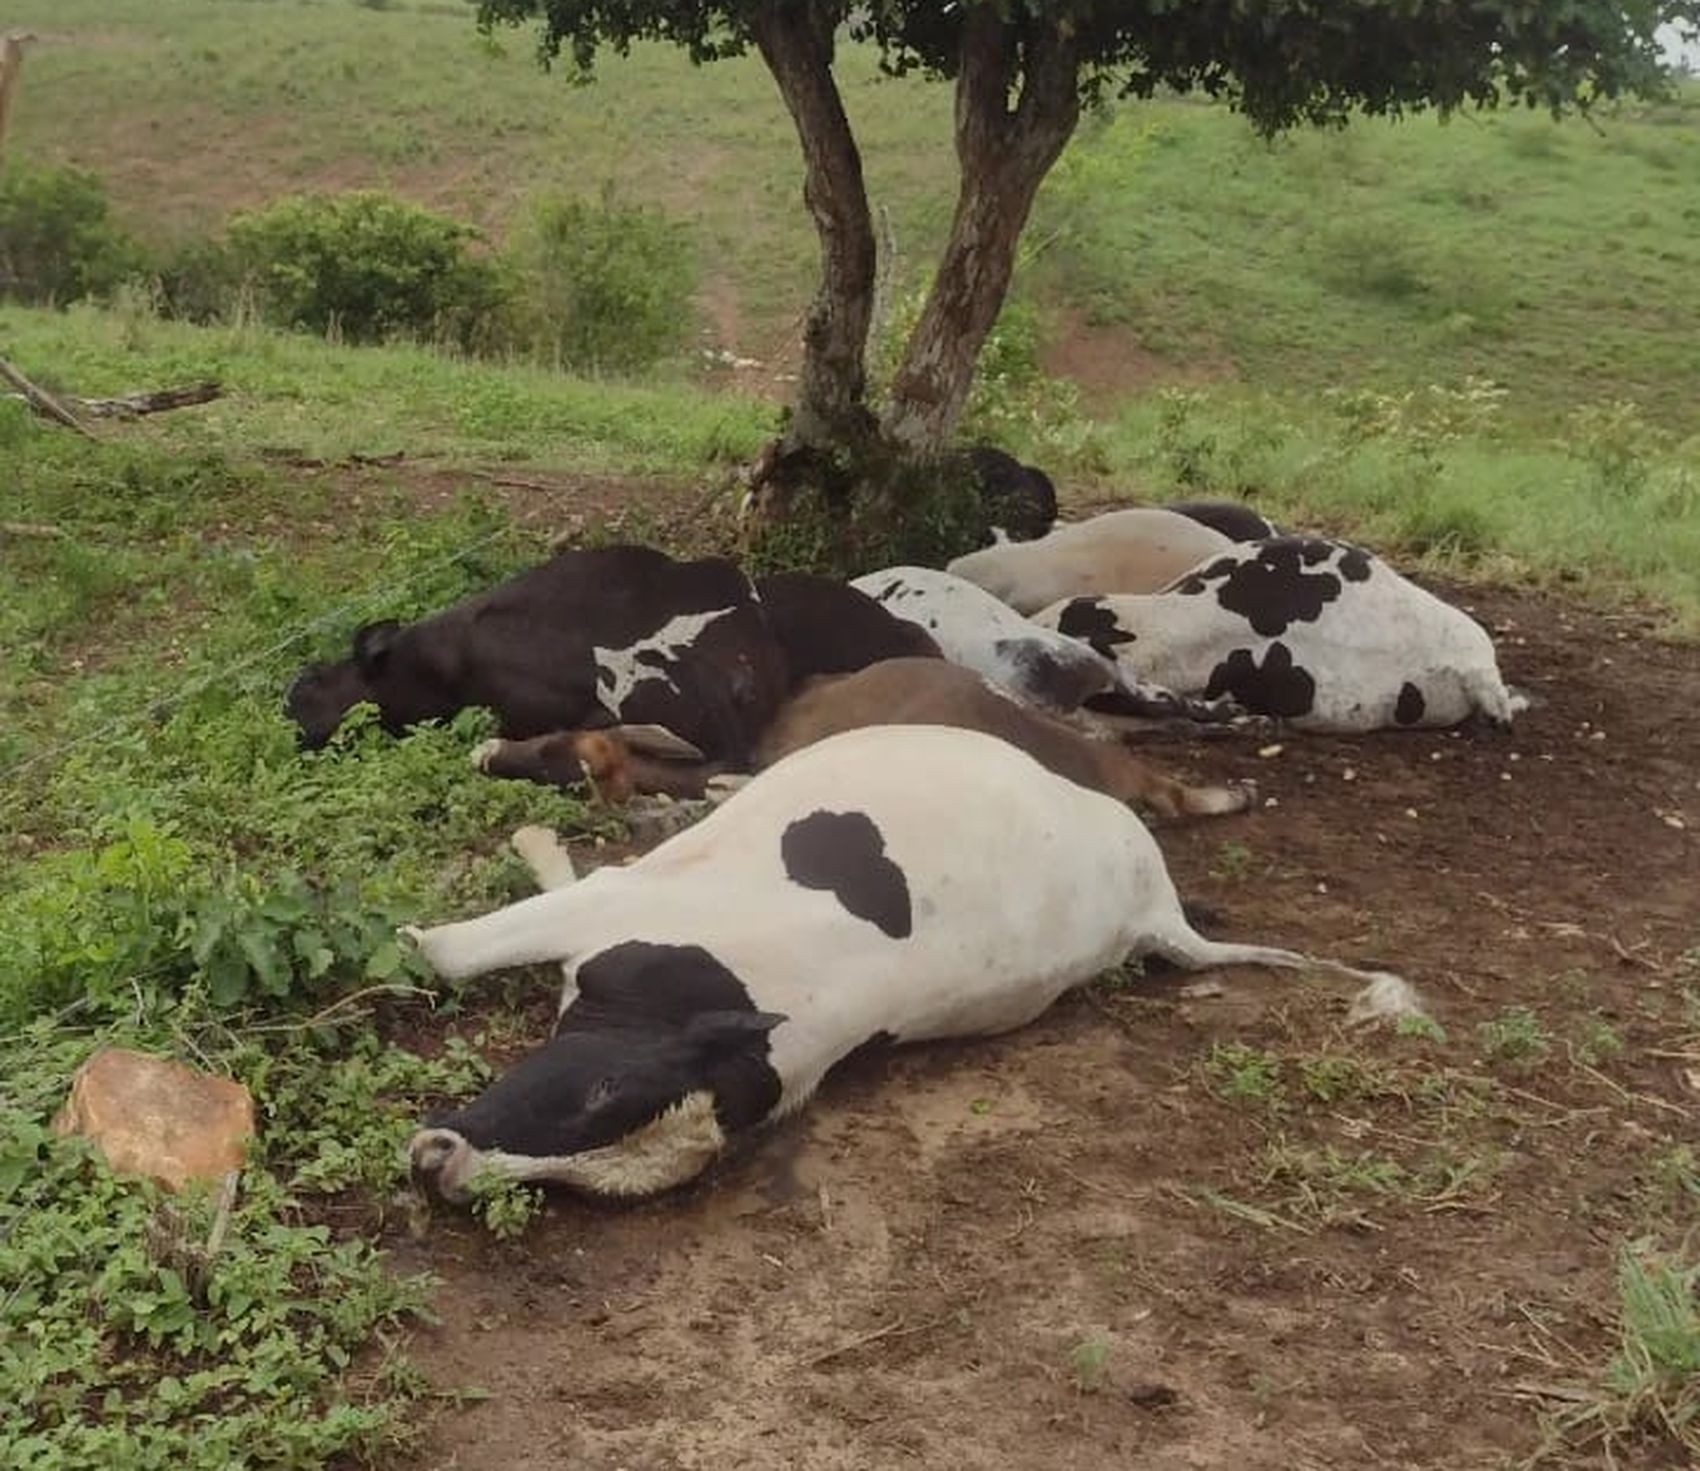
point(154, 1116)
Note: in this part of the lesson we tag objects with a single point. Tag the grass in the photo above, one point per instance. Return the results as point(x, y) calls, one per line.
point(175, 876)
point(1387, 255)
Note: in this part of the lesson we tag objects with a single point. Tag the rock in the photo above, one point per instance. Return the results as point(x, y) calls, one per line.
point(154, 1116)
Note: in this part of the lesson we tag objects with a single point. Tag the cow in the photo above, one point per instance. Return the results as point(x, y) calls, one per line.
point(1020, 501)
point(977, 631)
point(1036, 665)
point(613, 633)
point(620, 762)
point(1132, 551)
point(896, 884)
point(828, 627)
point(1317, 632)
point(1234, 519)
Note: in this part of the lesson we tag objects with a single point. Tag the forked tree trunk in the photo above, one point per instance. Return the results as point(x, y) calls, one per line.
point(1004, 154)
point(795, 38)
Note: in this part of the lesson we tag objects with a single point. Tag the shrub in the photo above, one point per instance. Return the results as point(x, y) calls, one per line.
point(366, 266)
point(58, 242)
point(601, 285)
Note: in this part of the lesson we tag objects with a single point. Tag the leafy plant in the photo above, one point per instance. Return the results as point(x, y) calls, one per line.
point(506, 1206)
point(58, 240)
point(366, 267)
point(1238, 1073)
point(601, 285)
point(1515, 1036)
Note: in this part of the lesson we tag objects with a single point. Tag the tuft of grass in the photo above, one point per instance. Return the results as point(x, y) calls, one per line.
point(1516, 1037)
point(1649, 1392)
point(1237, 1073)
point(1089, 1360)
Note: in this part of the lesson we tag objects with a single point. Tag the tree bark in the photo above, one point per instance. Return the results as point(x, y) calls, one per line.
point(1004, 154)
point(795, 38)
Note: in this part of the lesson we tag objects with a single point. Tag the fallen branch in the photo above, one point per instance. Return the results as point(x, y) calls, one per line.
point(29, 530)
point(898, 1328)
point(159, 401)
point(41, 400)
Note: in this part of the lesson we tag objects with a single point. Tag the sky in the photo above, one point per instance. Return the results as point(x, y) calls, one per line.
point(1676, 49)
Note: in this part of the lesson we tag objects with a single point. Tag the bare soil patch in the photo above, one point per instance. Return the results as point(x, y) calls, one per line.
point(1072, 1246)
point(1108, 362)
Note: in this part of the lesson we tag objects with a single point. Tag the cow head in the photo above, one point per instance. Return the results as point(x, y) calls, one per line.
point(614, 1110)
point(385, 667)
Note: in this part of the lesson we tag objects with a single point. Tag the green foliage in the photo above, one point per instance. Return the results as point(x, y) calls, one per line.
point(1279, 62)
point(1648, 1395)
point(366, 267)
point(601, 285)
point(1090, 1361)
point(1238, 1073)
point(506, 1206)
point(125, 1346)
point(1516, 1037)
point(58, 241)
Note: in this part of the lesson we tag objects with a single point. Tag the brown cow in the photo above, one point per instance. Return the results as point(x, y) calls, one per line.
point(625, 760)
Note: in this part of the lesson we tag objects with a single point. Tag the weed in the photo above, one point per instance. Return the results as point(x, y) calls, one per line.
point(1238, 1073)
point(1516, 1037)
point(1233, 860)
point(1598, 1042)
point(1420, 1025)
point(1330, 1077)
point(1090, 1360)
point(506, 1206)
point(1650, 1389)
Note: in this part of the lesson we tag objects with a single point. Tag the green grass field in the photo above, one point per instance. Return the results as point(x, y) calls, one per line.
point(1307, 324)
point(1558, 260)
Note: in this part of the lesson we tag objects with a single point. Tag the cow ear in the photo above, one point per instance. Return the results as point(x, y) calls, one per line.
point(372, 645)
point(713, 1031)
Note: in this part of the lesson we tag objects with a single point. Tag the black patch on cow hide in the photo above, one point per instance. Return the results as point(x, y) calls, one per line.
point(844, 853)
point(1272, 588)
point(1200, 579)
point(1053, 679)
point(1411, 704)
point(1278, 688)
point(1354, 564)
point(1235, 521)
point(1089, 620)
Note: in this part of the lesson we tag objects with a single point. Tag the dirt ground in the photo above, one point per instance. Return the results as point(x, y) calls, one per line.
point(1067, 1247)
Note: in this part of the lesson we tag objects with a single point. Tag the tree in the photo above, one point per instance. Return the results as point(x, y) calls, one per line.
point(1023, 70)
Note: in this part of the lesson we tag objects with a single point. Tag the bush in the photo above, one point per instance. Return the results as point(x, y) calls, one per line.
point(58, 242)
point(367, 267)
point(601, 285)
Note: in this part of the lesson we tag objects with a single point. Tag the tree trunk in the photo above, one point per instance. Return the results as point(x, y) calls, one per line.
point(1004, 154)
point(795, 38)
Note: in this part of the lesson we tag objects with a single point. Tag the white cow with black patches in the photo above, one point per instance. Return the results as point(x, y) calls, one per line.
point(1037, 665)
point(1317, 632)
point(861, 889)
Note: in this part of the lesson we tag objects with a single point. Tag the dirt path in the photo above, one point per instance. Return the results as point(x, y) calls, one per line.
point(1067, 1247)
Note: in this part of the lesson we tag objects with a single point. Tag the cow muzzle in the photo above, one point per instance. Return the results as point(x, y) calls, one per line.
point(441, 1163)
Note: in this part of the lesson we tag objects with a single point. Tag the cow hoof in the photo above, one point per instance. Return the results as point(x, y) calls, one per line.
point(485, 752)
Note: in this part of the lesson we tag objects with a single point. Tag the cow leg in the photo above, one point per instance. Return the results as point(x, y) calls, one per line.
point(548, 760)
point(660, 778)
point(550, 864)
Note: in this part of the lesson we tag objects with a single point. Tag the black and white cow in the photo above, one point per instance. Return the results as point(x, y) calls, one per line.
point(1234, 519)
point(972, 628)
point(1138, 550)
point(617, 633)
point(1317, 632)
point(864, 889)
point(828, 627)
point(1035, 664)
point(1020, 500)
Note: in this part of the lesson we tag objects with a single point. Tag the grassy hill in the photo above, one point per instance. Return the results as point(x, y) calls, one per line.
point(1172, 245)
